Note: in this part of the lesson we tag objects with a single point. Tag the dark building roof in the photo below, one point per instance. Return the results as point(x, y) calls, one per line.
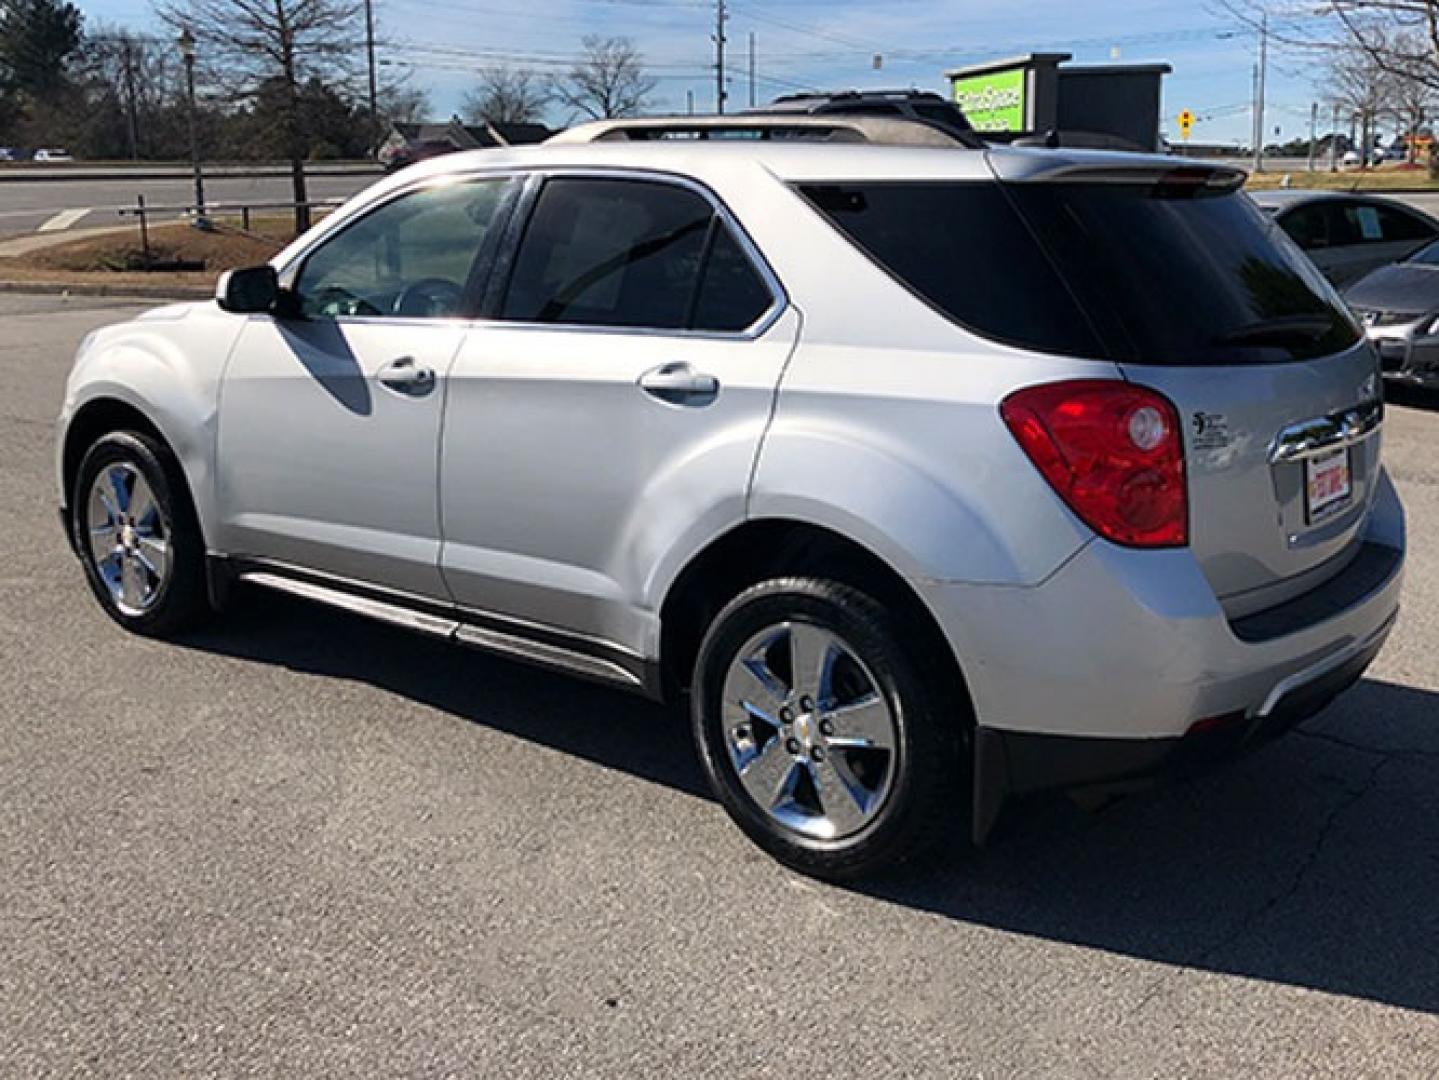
point(472, 136)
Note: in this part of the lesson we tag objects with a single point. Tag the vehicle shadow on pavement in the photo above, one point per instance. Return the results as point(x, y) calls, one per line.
point(596, 723)
point(1416, 397)
point(1312, 862)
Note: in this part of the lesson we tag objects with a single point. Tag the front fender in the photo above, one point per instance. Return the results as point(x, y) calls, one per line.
point(169, 370)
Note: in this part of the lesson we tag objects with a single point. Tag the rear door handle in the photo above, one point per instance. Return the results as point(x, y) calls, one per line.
point(407, 376)
point(680, 384)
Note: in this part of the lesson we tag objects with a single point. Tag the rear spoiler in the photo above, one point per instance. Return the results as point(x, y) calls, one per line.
point(1114, 169)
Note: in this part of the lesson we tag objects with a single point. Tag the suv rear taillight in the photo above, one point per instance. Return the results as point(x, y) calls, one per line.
point(1114, 453)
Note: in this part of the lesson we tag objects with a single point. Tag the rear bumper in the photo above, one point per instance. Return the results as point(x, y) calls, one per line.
point(1123, 664)
point(1010, 764)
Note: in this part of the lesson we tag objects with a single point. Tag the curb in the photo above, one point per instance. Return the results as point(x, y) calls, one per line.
point(100, 288)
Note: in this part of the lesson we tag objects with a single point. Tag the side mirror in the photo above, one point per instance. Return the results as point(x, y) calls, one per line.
point(252, 291)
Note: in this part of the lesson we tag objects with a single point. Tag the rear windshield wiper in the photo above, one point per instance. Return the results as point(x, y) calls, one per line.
point(1284, 330)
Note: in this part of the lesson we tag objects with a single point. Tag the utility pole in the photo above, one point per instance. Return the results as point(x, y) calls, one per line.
point(720, 16)
point(751, 69)
point(132, 120)
point(370, 55)
point(1260, 74)
point(690, 102)
point(1313, 126)
point(1334, 141)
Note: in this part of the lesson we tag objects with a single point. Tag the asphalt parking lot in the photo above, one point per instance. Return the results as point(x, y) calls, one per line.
point(301, 844)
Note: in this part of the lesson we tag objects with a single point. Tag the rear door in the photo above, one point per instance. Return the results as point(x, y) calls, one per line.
point(1197, 294)
point(612, 407)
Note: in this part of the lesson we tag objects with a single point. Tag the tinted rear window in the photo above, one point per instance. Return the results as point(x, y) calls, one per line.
point(964, 249)
point(1134, 273)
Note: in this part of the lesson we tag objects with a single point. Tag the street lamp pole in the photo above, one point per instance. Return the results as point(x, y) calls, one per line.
point(187, 52)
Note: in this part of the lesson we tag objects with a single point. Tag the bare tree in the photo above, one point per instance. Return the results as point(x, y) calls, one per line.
point(1363, 89)
point(247, 44)
point(143, 78)
point(401, 104)
point(506, 95)
point(1399, 36)
point(609, 80)
point(1411, 96)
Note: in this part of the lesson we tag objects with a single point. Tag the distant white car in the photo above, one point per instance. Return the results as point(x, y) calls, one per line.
point(53, 155)
point(1351, 159)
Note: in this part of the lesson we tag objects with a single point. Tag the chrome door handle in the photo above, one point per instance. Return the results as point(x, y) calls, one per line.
point(679, 384)
point(407, 376)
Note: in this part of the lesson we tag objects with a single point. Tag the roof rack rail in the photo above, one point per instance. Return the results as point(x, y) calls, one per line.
point(797, 127)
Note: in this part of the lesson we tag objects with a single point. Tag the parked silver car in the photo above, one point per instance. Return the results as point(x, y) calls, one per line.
point(1348, 234)
point(927, 477)
point(1399, 307)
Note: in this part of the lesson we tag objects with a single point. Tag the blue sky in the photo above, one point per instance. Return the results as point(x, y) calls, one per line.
point(831, 43)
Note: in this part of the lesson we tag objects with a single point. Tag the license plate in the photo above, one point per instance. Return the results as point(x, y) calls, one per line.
point(1327, 487)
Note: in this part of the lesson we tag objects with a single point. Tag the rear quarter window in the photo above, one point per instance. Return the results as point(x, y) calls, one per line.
point(965, 251)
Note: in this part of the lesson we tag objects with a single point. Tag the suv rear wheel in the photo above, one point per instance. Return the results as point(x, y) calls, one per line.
point(818, 734)
point(137, 535)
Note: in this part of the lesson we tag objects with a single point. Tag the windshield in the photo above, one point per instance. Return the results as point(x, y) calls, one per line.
point(1139, 273)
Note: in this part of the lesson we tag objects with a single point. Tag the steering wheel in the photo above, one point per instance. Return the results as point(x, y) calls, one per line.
point(333, 302)
point(429, 297)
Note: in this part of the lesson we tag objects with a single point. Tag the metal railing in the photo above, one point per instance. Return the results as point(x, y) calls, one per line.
point(144, 211)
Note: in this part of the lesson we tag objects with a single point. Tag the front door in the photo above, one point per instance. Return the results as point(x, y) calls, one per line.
point(330, 418)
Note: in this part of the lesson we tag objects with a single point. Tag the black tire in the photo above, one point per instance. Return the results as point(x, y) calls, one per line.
point(180, 599)
point(928, 785)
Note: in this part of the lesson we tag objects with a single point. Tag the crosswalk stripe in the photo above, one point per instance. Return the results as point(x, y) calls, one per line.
point(64, 220)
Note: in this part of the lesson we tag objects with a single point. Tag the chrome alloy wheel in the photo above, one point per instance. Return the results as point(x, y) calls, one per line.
point(129, 537)
point(809, 733)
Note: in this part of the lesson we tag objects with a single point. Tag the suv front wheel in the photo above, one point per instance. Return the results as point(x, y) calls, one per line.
point(820, 736)
point(137, 534)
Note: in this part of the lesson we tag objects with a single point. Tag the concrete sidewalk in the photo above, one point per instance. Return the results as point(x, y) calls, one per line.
point(17, 246)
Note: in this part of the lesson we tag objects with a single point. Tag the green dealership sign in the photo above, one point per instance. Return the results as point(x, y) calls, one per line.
point(993, 101)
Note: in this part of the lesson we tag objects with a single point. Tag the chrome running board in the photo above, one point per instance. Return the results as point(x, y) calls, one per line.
point(479, 630)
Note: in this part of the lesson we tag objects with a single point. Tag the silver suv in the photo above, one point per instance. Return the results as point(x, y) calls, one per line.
point(926, 477)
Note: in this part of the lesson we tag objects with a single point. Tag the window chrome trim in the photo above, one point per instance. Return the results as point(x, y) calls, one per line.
point(779, 298)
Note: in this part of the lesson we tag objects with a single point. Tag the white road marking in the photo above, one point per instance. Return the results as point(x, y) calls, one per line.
point(64, 219)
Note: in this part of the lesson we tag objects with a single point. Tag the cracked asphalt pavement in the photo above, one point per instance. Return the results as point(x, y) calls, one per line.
point(301, 844)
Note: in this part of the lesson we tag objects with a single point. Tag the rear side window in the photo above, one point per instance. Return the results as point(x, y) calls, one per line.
point(732, 295)
point(1399, 226)
point(1135, 273)
point(632, 253)
point(1308, 226)
point(963, 248)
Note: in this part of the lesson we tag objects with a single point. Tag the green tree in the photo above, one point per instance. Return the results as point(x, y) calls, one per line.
point(37, 40)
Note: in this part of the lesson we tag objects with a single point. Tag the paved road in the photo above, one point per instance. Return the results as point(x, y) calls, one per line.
point(27, 206)
point(297, 844)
